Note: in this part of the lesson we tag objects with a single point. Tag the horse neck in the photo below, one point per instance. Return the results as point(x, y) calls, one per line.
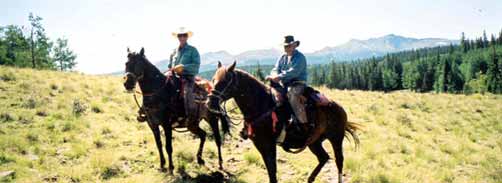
point(152, 80)
point(250, 97)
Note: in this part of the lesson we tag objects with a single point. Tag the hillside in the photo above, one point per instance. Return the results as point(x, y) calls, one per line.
point(68, 127)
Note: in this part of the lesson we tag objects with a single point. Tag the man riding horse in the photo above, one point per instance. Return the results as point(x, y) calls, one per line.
point(187, 57)
point(291, 71)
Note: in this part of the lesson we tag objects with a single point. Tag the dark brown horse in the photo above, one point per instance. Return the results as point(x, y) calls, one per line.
point(256, 102)
point(162, 106)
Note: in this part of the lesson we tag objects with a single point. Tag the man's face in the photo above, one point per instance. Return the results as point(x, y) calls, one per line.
point(182, 38)
point(289, 48)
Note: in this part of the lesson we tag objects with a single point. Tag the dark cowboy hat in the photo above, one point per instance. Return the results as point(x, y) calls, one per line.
point(289, 40)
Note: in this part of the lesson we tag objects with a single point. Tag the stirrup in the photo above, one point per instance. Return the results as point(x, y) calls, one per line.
point(141, 118)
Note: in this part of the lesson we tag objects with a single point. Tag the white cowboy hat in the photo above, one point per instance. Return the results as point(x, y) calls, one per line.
point(182, 30)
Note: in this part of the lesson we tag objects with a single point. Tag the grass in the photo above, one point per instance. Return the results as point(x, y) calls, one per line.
point(70, 127)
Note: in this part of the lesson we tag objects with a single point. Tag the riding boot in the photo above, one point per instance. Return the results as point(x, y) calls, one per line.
point(189, 99)
point(295, 96)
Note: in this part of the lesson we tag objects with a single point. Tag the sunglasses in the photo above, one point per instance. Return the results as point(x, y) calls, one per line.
point(182, 35)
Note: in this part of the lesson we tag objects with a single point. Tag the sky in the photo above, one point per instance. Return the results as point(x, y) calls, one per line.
point(100, 31)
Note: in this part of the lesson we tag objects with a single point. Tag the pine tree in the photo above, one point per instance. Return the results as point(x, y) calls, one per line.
point(463, 43)
point(500, 38)
point(333, 76)
point(484, 40)
point(259, 73)
point(494, 75)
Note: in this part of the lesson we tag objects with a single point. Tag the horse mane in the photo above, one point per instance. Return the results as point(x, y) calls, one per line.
point(148, 63)
point(253, 79)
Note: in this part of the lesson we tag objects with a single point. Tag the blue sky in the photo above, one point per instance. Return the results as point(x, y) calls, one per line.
point(101, 30)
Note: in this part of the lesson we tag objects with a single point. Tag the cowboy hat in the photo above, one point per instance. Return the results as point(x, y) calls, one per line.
point(182, 30)
point(289, 40)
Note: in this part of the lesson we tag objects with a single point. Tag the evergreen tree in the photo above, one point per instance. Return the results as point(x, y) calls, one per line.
point(463, 43)
point(494, 74)
point(484, 40)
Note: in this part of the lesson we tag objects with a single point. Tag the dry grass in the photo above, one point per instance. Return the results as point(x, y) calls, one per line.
point(68, 127)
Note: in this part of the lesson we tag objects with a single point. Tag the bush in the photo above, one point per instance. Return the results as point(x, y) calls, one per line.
point(78, 107)
point(8, 76)
point(252, 158)
point(110, 172)
point(6, 117)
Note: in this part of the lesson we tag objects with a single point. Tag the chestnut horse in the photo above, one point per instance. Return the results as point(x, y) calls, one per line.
point(255, 100)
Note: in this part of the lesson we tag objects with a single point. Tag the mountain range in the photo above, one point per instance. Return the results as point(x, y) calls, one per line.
point(351, 50)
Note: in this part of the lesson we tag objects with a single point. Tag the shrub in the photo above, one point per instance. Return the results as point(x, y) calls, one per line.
point(78, 107)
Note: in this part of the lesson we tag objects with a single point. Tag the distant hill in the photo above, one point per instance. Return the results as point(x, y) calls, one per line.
point(352, 50)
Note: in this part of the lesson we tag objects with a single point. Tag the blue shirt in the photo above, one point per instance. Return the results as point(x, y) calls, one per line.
point(189, 57)
point(295, 70)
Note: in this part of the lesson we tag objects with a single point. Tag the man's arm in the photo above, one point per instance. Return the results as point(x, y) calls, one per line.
point(298, 65)
point(171, 58)
point(275, 70)
point(194, 64)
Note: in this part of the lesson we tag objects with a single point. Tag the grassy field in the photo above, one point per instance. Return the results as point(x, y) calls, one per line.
point(69, 127)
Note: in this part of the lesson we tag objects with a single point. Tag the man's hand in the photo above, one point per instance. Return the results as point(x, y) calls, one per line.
point(169, 73)
point(274, 78)
point(178, 69)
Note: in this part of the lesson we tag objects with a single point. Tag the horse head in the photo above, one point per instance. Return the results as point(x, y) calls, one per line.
point(225, 83)
point(135, 68)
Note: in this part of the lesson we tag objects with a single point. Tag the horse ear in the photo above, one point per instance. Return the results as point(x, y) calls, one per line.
point(219, 64)
point(142, 52)
point(232, 67)
point(128, 50)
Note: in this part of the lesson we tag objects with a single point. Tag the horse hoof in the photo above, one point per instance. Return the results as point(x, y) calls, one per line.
point(162, 169)
point(311, 179)
point(201, 161)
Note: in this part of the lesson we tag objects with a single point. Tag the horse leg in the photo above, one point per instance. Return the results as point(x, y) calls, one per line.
point(213, 121)
point(321, 155)
point(195, 129)
point(169, 146)
point(268, 153)
point(156, 133)
point(337, 143)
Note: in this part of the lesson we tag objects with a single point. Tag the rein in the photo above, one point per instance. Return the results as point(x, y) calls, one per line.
point(145, 109)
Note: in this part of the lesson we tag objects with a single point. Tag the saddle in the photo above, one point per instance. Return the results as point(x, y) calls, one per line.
point(289, 135)
point(200, 91)
point(310, 96)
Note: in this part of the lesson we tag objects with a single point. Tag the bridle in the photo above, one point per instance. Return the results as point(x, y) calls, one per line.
point(222, 96)
point(136, 78)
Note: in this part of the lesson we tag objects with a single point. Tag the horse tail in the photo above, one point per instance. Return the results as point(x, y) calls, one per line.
point(350, 128)
point(225, 123)
point(350, 131)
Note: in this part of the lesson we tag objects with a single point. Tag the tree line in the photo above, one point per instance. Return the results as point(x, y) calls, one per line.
point(29, 46)
point(473, 66)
